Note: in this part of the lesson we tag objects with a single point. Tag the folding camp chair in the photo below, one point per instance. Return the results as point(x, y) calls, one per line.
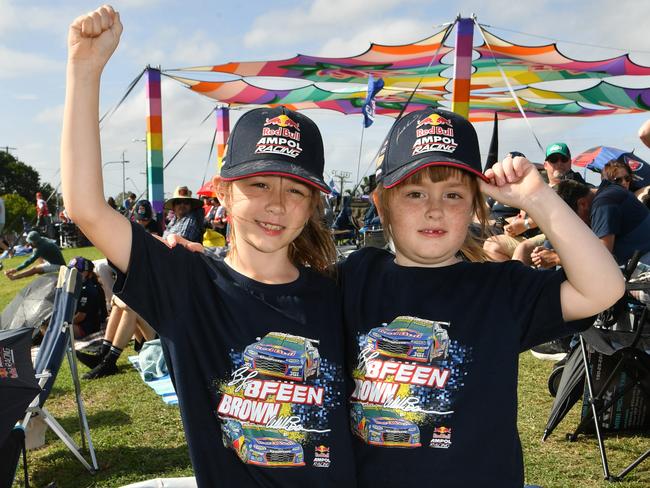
point(58, 341)
point(617, 349)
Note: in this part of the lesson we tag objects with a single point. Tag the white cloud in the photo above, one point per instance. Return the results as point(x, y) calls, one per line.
point(183, 112)
point(50, 115)
point(172, 48)
point(17, 18)
point(390, 32)
point(319, 19)
point(17, 64)
point(25, 96)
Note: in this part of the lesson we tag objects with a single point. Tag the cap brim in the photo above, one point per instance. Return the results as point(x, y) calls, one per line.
point(568, 156)
point(396, 177)
point(196, 203)
point(274, 168)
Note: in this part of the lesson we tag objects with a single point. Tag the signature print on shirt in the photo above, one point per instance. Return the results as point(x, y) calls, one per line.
point(278, 399)
point(407, 373)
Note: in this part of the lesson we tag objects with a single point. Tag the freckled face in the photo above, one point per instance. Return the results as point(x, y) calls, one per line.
point(429, 221)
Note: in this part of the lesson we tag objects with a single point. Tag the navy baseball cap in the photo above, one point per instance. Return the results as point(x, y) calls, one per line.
point(81, 263)
point(278, 142)
point(429, 137)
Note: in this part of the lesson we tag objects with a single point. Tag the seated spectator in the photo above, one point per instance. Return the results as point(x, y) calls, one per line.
point(521, 236)
point(46, 252)
point(187, 220)
point(215, 219)
point(619, 172)
point(91, 307)
point(343, 226)
point(620, 221)
point(143, 214)
point(123, 323)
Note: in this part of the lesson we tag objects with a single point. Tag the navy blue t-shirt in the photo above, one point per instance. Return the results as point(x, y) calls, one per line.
point(259, 369)
point(617, 211)
point(434, 355)
point(90, 303)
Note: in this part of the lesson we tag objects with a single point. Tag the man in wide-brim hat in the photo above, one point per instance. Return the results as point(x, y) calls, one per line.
point(188, 215)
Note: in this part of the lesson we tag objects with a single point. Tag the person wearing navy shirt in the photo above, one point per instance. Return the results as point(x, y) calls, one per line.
point(621, 221)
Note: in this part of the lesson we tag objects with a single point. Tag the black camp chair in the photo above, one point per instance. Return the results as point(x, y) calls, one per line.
point(620, 352)
point(58, 342)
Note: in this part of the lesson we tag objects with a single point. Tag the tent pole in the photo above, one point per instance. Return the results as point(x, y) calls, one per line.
point(463, 67)
point(155, 183)
point(223, 132)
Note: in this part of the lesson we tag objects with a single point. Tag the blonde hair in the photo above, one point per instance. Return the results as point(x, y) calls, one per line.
point(472, 247)
point(314, 246)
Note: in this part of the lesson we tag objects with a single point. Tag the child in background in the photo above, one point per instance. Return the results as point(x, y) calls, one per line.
point(434, 331)
point(255, 340)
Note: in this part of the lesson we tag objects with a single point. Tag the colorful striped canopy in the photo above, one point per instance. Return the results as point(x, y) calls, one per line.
point(339, 83)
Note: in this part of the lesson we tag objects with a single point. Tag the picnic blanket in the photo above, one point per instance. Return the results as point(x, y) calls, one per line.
point(162, 386)
point(189, 482)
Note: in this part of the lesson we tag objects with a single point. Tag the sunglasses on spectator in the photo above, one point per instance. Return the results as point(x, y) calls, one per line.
point(621, 179)
point(554, 158)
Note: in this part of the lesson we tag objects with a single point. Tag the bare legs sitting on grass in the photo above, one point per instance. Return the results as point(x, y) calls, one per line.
point(123, 323)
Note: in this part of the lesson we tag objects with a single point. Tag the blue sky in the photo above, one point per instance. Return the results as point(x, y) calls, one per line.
point(189, 33)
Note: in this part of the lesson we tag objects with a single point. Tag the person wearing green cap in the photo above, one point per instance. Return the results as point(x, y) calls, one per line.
point(46, 251)
point(558, 164)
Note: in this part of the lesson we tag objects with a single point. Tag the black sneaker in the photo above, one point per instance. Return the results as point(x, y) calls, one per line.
point(554, 350)
point(90, 360)
point(105, 368)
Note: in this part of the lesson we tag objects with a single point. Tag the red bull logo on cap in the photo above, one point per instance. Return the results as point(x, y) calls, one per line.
point(432, 125)
point(283, 121)
point(434, 119)
point(280, 135)
point(286, 127)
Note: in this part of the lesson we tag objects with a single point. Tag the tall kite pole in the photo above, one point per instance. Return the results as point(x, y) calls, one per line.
point(462, 66)
point(154, 142)
point(223, 132)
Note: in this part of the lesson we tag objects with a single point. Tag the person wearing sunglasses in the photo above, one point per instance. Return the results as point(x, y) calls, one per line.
point(558, 164)
point(187, 221)
point(618, 172)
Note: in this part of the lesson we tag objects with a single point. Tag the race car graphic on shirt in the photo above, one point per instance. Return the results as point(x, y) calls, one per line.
point(260, 446)
point(410, 338)
point(284, 356)
point(278, 400)
point(383, 427)
point(408, 375)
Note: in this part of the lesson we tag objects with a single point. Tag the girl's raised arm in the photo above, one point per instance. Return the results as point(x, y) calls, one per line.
point(92, 38)
point(594, 281)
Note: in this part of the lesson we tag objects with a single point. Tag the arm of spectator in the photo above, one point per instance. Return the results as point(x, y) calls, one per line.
point(594, 281)
point(79, 317)
point(545, 258)
point(644, 133)
point(608, 241)
point(92, 39)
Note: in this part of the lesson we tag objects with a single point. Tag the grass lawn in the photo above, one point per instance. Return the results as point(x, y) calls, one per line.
point(138, 437)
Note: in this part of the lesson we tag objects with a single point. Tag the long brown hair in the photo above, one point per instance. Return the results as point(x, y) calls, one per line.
point(472, 247)
point(314, 246)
